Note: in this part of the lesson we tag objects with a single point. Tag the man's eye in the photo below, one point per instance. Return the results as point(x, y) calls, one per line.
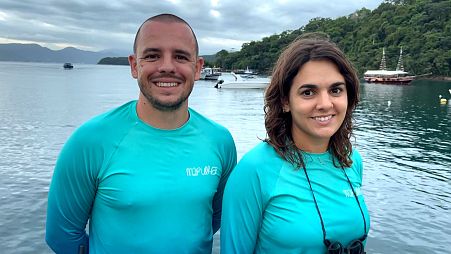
point(181, 58)
point(150, 58)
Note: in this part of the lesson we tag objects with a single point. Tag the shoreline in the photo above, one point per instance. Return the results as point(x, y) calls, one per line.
point(436, 78)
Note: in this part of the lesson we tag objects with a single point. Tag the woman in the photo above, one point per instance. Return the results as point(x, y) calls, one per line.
point(299, 190)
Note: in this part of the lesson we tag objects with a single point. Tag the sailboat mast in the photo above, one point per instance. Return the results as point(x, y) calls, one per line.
point(383, 66)
point(400, 66)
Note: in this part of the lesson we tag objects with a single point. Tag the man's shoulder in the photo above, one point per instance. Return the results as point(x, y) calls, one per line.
point(106, 123)
point(112, 116)
point(205, 123)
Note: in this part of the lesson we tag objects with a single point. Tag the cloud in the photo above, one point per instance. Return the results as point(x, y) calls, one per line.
point(112, 24)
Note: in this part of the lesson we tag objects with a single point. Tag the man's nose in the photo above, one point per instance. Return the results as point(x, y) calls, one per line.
point(167, 64)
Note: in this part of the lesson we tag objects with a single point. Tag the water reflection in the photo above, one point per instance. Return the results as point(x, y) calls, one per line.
point(407, 147)
point(403, 133)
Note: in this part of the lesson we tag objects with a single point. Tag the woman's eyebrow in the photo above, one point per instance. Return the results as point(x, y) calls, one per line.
point(313, 86)
point(308, 86)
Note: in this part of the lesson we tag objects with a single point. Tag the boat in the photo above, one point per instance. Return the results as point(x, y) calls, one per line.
point(384, 76)
point(68, 66)
point(245, 73)
point(248, 73)
point(232, 80)
point(209, 73)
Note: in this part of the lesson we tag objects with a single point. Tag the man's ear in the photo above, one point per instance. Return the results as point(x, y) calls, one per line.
point(133, 63)
point(199, 65)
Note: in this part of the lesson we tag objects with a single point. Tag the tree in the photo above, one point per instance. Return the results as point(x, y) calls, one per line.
point(421, 27)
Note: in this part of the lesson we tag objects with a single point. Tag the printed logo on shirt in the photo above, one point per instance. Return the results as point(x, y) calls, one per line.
point(202, 171)
point(348, 193)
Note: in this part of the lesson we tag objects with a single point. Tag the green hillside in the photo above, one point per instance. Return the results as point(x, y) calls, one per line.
point(421, 27)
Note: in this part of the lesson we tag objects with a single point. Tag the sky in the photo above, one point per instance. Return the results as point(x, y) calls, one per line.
point(97, 25)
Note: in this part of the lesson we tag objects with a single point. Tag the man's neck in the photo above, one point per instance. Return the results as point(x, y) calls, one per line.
point(166, 120)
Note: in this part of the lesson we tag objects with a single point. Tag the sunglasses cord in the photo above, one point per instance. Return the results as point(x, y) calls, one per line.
point(357, 199)
point(317, 208)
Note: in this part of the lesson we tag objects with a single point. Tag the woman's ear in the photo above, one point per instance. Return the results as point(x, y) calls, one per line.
point(285, 106)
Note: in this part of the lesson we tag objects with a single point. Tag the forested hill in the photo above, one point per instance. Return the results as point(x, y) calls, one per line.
point(421, 27)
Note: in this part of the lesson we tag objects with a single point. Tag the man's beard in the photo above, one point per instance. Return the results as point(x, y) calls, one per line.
point(163, 106)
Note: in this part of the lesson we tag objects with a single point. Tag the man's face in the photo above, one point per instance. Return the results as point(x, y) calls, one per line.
point(166, 64)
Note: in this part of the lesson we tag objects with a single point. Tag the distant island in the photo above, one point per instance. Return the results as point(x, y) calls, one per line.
point(114, 61)
point(17, 52)
point(124, 60)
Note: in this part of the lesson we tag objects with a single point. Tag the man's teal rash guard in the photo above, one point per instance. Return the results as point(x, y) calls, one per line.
point(268, 205)
point(143, 190)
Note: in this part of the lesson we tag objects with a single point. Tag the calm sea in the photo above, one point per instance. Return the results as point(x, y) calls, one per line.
point(403, 134)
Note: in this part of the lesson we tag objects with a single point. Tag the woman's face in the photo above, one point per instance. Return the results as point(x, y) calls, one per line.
point(317, 102)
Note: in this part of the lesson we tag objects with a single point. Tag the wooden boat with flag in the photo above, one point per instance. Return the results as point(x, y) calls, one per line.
point(384, 76)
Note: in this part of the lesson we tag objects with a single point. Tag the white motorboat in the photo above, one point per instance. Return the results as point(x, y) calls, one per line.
point(231, 80)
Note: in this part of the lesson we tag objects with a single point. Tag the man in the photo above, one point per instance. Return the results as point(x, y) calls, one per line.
point(149, 175)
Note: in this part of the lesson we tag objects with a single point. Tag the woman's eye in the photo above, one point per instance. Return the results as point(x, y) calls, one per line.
point(336, 90)
point(307, 93)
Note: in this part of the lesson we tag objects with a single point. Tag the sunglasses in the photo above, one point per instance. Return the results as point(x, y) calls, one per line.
point(355, 247)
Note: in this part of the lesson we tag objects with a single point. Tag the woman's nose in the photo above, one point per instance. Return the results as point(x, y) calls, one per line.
point(324, 101)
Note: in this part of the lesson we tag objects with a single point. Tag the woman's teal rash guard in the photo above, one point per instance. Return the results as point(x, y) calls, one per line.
point(268, 206)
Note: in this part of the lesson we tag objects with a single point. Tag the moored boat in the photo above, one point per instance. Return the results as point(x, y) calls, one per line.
point(208, 73)
point(388, 77)
point(384, 76)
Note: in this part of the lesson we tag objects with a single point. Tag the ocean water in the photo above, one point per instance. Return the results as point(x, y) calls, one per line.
point(402, 132)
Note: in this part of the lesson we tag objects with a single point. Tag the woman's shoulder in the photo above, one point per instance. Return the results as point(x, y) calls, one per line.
point(355, 155)
point(261, 158)
point(357, 165)
point(261, 152)
point(260, 165)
